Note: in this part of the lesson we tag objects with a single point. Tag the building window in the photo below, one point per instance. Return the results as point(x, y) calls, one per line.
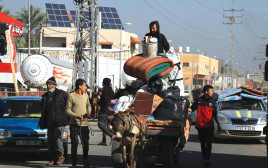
point(106, 46)
point(185, 64)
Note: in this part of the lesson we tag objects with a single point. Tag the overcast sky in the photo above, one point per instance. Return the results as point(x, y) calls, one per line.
point(194, 23)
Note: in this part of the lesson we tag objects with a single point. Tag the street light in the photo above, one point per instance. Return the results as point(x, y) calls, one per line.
point(193, 70)
point(120, 58)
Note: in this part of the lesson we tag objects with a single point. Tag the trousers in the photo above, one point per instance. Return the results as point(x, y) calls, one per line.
point(55, 142)
point(206, 136)
point(83, 133)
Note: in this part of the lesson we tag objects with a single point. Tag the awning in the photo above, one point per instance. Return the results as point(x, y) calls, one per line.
point(106, 43)
point(135, 40)
point(7, 19)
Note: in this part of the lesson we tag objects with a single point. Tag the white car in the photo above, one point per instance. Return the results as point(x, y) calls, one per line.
point(186, 93)
point(243, 118)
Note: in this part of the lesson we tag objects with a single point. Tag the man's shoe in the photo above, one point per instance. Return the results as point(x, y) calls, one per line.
point(60, 160)
point(50, 163)
point(102, 143)
point(207, 163)
point(86, 163)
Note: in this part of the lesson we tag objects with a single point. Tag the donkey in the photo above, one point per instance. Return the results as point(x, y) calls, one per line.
point(131, 128)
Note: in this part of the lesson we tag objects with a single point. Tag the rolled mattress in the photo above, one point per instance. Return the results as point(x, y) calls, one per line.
point(144, 68)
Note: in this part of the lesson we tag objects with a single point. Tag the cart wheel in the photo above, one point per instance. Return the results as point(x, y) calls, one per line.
point(117, 157)
point(168, 152)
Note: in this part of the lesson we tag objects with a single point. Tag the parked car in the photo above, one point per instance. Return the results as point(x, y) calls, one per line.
point(186, 93)
point(243, 118)
point(19, 130)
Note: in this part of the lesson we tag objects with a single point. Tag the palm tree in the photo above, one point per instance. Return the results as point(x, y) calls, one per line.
point(37, 16)
point(6, 11)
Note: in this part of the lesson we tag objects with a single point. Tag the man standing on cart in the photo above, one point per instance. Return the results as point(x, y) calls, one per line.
point(206, 111)
point(162, 43)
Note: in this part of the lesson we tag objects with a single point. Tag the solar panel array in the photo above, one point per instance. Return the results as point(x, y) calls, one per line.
point(110, 18)
point(57, 15)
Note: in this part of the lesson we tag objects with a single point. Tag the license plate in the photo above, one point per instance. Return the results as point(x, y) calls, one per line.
point(28, 142)
point(243, 128)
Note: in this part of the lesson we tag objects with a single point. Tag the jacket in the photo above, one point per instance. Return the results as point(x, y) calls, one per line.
point(206, 110)
point(161, 39)
point(106, 97)
point(56, 109)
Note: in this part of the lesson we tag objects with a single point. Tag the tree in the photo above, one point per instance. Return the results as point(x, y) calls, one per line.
point(37, 16)
point(6, 11)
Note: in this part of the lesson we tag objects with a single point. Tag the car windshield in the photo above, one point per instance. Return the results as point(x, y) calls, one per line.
point(23, 108)
point(247, 104)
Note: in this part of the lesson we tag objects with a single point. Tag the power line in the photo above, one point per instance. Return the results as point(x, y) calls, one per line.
point(185, 29)
point(231, 20)
point(183, 21)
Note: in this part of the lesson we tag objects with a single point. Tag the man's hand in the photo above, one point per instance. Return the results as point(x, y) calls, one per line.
point(110, 127)
point(189, 110)
point(112, 139)
point(81, 118)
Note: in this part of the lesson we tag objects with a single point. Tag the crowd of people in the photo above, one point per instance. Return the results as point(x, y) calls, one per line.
point(60, 109)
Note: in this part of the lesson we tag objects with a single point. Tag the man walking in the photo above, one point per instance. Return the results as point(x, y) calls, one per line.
point(105, 100)
point(54, 118)
point(79, 109)
point(206, 111)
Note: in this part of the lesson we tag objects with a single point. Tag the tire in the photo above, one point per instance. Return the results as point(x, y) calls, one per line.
point(117, 157)
point(262, 141)
point(65, 147)
point(168, 153)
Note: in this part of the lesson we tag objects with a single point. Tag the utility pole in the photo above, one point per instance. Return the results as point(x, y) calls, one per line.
point(29, 27)
point(40, 39)
point(86, 36)
point(231, 20)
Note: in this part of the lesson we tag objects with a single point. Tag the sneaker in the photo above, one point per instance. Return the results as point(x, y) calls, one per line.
point(102, 143)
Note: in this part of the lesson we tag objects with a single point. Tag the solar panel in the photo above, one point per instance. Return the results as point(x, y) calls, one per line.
point(57, 15)
point(109, 16)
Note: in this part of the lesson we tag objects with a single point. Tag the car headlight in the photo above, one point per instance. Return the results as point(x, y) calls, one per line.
point(5, 133)
point(262, 121)
point(223, 120)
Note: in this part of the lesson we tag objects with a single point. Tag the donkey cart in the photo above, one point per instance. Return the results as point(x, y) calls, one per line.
point(163, 139)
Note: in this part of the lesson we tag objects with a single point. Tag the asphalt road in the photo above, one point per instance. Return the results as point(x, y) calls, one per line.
point(225, 153)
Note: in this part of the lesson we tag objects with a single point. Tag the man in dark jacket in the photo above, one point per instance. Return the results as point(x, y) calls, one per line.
point(161, 39)
point(105, 99)
point(206, 111)
point(54, 118)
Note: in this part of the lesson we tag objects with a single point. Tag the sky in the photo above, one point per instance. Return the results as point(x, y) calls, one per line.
point(198, 24)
